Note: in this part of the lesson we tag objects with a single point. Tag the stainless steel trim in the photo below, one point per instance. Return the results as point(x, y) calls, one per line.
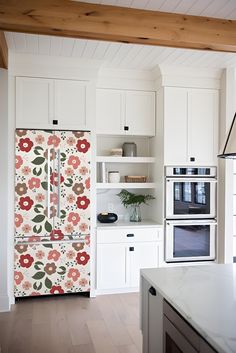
point(169, 240)
point(169, 193)
point(58, 185)
point(48, 184)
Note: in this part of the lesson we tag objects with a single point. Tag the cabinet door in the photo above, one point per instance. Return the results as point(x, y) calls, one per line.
point(202, 126)
point(110, 111)
point(140, 113)
point(34, 97)
point(175, 126)
point(111, 266)
point(142, 255)
point(70, 104)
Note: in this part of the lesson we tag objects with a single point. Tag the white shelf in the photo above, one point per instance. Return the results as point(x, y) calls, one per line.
point(125, 185)
point(114, 159)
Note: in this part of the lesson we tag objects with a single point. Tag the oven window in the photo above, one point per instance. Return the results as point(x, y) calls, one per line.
point(191, 240)
point(187, 192)
point(191, 198)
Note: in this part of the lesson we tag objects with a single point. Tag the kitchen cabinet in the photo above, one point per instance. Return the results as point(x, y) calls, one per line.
point(122, 112)
point(121, 253)
point(48, 103)
point(171, 324)
point(190, 126)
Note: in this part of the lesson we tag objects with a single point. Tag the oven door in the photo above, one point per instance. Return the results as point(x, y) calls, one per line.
point(190, 198)
point(190, 240)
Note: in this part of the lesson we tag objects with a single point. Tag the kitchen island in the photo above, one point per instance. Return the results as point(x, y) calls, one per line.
point(189, 309)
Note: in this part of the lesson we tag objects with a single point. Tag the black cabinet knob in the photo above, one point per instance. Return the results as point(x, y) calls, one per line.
point(55, 122)
point(126, 128)
point(192, 159)
point(152, 291)
point(131, 248)
point(130, 235)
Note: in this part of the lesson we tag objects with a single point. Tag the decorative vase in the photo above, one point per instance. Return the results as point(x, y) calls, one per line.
point(135, 213)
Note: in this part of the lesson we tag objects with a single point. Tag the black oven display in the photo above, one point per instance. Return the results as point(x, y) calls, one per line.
point(191, 240)
point(191, 198)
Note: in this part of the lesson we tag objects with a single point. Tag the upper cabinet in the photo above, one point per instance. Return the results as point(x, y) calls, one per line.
point(125, 112)
point(190, 126)
point(47, 103)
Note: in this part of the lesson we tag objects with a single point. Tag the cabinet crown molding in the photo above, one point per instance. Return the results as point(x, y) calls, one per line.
point(52, 67)
point(177, 76)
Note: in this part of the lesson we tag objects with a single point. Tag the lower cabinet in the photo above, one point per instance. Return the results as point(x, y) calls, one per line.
point(164, 330)
point(121, 254)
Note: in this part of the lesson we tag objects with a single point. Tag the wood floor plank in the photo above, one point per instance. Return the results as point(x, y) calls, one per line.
point(114, 325)
point(136, 335)
point(128, 349)
point(100, 337)
point(72, 324)
point(83, 348)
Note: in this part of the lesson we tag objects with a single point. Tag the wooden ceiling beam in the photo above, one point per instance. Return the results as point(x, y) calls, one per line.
point(3, 51)
point(84, 20)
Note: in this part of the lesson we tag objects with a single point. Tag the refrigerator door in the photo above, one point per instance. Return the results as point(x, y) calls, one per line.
point(71, 183)
point(44, 268)
point(34, 209)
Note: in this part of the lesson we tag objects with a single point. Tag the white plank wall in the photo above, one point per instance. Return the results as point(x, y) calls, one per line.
point(134, 56)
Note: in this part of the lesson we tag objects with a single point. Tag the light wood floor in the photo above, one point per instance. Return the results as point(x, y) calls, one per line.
point(72, 324)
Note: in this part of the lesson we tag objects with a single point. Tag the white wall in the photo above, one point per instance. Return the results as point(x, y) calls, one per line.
point(4, 240)
point(225, 170)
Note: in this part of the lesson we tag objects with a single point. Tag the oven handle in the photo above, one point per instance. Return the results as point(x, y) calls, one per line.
point(191, 222)
point(192, 180)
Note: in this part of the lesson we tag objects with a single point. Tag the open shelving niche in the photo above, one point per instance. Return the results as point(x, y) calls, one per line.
point(107, 199)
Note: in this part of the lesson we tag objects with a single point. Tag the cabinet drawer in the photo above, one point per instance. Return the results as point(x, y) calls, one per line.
point(128, 235)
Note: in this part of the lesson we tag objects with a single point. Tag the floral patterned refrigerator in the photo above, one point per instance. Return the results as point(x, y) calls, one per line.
point(52, 212)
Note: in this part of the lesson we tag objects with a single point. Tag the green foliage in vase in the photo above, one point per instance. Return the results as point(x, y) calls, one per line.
point(128, 198)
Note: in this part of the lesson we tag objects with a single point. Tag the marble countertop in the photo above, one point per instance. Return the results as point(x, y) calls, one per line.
point(205, 296)
point(127, 224)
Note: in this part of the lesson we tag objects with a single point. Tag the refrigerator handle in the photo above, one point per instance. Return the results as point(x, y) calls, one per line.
point(48, 182)
point(58, 186)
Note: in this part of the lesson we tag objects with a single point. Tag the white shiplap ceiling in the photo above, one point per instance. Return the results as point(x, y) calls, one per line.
point(133, 56)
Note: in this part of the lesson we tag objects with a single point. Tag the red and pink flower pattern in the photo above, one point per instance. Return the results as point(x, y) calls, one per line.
point(70, 152)
point(51, 269)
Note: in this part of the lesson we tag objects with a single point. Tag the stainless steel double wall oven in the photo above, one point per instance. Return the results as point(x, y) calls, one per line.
point(190, 213)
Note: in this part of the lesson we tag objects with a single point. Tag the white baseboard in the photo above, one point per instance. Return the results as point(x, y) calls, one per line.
point(116, 290)
point(4, 303)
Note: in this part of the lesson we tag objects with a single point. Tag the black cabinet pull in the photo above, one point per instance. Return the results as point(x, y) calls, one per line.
point(130, 235)
point(192, 159)
point(131, 248)
point(55, 122)
point(152, 291)
point(126, 128)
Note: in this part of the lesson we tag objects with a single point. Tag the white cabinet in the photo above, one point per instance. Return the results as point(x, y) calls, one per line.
point(47, 103)
point(109, 113)
point(190, 126)
point(34, 102)
point(121, 253)
point(140, 113)
point(112, 269)
point(125, 112)
point(70, 103)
